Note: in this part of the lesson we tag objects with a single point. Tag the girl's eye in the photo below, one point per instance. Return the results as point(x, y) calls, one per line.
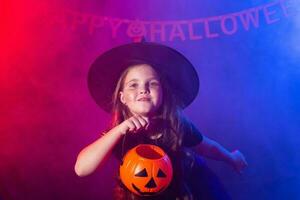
point(154, 83)
point(133, 85)
point(149, 84)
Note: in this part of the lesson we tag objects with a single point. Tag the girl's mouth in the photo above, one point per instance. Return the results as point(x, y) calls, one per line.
point(144, 99)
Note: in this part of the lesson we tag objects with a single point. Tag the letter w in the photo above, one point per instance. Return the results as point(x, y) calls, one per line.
point(250, 16)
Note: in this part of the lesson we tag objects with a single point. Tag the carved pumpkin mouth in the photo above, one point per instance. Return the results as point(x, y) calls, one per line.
point(146, 193)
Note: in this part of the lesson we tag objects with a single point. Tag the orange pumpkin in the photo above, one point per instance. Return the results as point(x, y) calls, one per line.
point(146, 170)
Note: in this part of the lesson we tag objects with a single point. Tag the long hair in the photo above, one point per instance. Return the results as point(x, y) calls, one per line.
point(169, 111)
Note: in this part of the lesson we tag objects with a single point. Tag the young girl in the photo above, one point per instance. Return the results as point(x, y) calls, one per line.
point(150, 84)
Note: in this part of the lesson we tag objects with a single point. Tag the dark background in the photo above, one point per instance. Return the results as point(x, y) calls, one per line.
point(248, 100)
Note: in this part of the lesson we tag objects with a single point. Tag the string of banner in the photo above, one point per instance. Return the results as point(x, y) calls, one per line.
point(194, 29)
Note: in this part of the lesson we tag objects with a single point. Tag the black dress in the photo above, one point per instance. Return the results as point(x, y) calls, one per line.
point(192, 179)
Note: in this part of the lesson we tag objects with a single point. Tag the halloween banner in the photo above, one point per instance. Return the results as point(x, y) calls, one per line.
point(170, 30)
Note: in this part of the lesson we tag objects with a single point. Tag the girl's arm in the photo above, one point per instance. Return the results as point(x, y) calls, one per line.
point(211, 149)
point(96, 153)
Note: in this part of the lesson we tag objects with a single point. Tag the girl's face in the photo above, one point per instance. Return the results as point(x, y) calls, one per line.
point(142, 91)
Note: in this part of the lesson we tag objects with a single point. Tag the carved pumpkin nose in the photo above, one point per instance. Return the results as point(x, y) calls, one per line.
point(151, 184)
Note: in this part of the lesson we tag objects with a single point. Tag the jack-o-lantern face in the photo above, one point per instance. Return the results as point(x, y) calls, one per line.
point(146, 170)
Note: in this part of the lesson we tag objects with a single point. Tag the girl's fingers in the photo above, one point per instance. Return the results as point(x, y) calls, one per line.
point(130, 125)
point(136, 122)
point(144, 121)
point(240, 162)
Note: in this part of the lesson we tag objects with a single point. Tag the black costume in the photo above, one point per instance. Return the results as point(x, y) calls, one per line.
point(192, 179)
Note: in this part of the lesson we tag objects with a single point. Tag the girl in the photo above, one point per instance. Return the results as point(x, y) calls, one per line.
point(150, 85)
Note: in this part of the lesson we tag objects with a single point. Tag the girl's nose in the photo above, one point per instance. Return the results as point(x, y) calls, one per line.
point(144, 89)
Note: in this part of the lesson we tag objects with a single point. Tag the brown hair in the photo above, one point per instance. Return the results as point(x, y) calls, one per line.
point(169, 111)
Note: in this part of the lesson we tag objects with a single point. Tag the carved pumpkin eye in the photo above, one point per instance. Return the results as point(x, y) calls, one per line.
point(161, 174)
point(142, 173)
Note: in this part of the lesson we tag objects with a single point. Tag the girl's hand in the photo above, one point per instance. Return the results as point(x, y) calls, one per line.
point(134, 124)
point(238, 161)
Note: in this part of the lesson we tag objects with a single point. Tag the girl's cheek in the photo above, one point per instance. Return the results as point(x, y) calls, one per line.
point(131, 96)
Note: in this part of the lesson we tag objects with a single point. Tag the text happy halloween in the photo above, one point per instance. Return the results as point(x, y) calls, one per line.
point(194, 29)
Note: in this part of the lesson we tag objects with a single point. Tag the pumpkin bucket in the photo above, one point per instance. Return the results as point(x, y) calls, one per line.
point(146, 170)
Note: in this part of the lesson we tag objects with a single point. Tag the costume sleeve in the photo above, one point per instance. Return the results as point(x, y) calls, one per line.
point(192, 135)
point(125, 143)
point(117, 150)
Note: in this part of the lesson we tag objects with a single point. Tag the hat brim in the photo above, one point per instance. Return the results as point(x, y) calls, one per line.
point(108, 67)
